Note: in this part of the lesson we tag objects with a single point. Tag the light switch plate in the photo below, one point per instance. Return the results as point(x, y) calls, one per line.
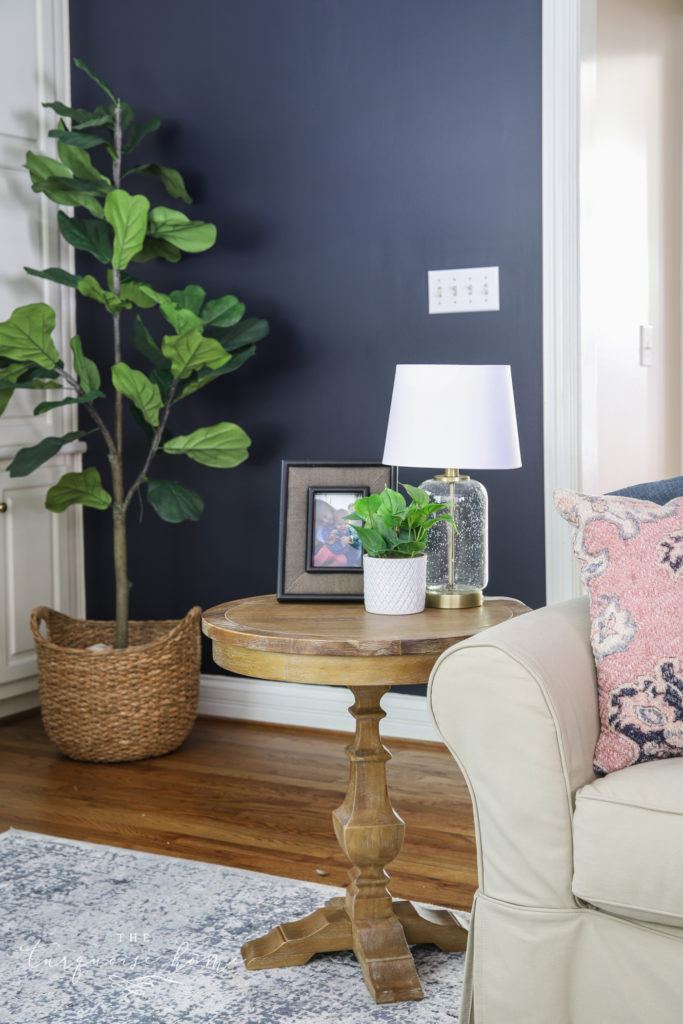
point(646, 344)
point(474, 290)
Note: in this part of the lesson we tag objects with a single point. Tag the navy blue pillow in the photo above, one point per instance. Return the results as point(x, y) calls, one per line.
point(659, 491)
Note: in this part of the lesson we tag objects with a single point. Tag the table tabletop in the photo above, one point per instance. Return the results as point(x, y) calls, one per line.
point(319, 643)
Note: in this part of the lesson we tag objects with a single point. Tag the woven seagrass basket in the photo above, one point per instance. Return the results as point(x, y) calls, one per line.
point(117, 705)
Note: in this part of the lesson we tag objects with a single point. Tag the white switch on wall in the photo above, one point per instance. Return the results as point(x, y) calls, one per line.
point(646, 344)
point(474, 290)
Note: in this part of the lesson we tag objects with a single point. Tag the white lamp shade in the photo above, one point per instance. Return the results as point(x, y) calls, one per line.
point(452, 416)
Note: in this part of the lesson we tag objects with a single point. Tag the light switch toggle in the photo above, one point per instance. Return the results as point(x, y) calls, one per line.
point(474, 290)
point(646, 344)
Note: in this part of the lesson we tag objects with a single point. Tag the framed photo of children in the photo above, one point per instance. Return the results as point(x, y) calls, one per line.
point(320, 557)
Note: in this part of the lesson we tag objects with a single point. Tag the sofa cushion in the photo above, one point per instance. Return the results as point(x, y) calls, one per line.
point(628, 843)
point(631, 555)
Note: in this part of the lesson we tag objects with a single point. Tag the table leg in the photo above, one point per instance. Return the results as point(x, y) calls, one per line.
point(366, 920)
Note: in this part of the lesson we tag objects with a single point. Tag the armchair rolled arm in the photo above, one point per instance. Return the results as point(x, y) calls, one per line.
point(517, 707)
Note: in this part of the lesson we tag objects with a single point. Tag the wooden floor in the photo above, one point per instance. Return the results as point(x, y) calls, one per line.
point(247, 795)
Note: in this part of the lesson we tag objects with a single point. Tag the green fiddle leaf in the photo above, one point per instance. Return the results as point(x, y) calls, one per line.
point(93, 236)
point(68, 192)
point(158, 248)
point(78, 161)
point(138, 389)
point(180, 318)
point(40, 167)
point(83, 488)
point(81, 139)
point(27, 335)
point(171, 180)
point(246, 332)
point(86, 370)
point(5, 398)
point(92, 289)
point(223, 312)
point(76, 113)
point(57, 275)
point(192, 351)
point(173, 226)
point(134, 292)
point(28, 459)
point(146, 345)
point(128, 216)
point(191, 297)
point(96, 78)
point(90, 396)
point(173, 502)
point(163, 378)
point(138, 132)
point(223, 445)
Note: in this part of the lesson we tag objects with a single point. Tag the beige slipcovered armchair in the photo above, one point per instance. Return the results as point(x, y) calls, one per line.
point(578, 918)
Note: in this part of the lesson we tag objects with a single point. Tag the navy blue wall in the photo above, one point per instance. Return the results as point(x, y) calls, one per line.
point(343, 148)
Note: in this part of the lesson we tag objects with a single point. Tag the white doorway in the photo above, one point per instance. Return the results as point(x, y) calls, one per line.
point(612, 251)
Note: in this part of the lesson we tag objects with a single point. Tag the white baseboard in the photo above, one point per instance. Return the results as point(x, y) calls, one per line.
point(314, 707)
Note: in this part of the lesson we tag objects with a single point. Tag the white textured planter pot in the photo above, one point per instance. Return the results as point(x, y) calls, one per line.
point(394, 586)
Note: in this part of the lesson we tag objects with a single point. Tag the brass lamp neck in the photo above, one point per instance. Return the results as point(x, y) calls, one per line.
point(451, 475)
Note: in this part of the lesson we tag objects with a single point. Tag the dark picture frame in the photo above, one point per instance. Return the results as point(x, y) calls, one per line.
point(299, 578)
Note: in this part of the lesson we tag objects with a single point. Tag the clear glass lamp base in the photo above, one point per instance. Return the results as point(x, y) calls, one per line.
point(457, 561)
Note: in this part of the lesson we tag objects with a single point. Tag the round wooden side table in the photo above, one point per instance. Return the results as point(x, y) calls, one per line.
point(343, 645)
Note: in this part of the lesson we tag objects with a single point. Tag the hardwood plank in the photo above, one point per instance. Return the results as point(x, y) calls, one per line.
point(252, 796)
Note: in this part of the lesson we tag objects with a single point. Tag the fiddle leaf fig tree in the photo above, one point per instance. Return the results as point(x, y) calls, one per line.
point(199, 341)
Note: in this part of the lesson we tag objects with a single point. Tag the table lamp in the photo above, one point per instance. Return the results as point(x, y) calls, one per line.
point(453, 415)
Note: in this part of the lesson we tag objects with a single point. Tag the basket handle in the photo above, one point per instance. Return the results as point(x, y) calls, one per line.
point(38, 616)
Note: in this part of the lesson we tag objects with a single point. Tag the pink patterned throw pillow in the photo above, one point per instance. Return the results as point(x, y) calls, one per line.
point(631, 555)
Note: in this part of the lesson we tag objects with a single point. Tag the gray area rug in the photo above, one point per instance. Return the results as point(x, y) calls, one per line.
point(98, 935)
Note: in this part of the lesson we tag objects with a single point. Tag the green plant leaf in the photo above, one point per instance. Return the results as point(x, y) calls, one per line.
point(163, 378)
point(139, 389)
point(372, 540)
point(223, 445)
point(158, 248)
point(146, 345)
point(191, 297)
point(180, 318)
point(83, 488)
point(77, 113)
point(171, 180)
point(419, 496)
point(92, 289)
point(138, 132)
point(40, 167)
point(57, 275)
point(128, 216)
point(78, 161)
point(80, 400)
point(96, 78)
point(134, 292)
point(391, 502)
point(223, 312)
point(83, 140)
point(28, 459)
point(86, 370)
point(93, 236)
point(187, 235)
point(192, 351)
point(246, 332)
point(5, 398)
point(173, 502)
point(27, 335)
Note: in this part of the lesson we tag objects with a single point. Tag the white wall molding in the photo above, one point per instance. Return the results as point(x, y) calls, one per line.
point(313, 707)
point(562, 405)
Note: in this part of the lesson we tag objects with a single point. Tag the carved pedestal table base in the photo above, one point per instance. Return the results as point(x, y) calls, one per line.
point(367, 920)
point(343, 645)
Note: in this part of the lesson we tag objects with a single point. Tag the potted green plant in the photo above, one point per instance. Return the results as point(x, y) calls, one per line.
point(394, 535)
point(84, 692)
